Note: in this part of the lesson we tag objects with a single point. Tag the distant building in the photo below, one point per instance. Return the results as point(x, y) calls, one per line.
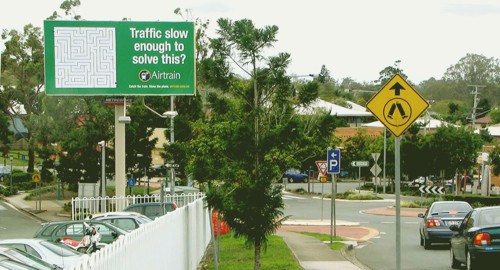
point(158, 149)
point(355, 116)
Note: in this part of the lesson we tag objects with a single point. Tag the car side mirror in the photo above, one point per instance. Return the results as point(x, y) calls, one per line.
point(420, 215)
point(114, 234)
point(454, 228)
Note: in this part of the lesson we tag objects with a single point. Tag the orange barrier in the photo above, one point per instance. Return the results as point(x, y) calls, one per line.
point(224, 228)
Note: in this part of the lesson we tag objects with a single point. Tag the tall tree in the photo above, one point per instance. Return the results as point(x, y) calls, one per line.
point(23, 79)
point(251, 133)
point(475, 70)
point(389, 71)
point(454, 160)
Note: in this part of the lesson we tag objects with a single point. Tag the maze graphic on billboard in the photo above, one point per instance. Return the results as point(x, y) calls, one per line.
point(85, 57)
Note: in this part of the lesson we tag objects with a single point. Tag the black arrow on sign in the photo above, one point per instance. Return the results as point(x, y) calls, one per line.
point(431, 189)
point(397, 88)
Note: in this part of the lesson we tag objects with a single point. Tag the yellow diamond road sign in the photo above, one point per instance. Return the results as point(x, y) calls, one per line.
point(397, 105)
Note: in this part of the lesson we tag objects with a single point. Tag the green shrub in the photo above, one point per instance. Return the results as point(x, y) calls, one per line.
point(36, 192)
point(6, 191)
point(362, 197)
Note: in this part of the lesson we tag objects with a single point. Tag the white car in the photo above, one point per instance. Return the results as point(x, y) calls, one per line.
point(420, 180)
point(50, 252)
point(4, 172)
point(128, 221)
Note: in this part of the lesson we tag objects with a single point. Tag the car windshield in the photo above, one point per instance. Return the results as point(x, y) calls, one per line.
point(6, 263)
point(489, 217)
point(60, 250)
point(451, 207)
point(30, 259)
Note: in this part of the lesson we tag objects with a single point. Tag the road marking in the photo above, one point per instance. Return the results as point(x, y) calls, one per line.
point(387, 222)
point(289, 197)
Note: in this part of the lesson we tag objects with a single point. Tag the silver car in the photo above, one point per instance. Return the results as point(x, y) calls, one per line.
point(126, 220)
point(43, 249)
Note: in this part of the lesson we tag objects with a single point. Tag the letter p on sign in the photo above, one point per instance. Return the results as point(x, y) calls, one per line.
point(333, 161)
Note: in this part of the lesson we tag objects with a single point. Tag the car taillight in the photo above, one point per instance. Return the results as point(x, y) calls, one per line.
point(482, 239)
point(433, 223)
point(175, 206)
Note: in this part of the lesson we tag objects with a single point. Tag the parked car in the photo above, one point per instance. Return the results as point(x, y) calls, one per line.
point(75, 230)
point(435, 222)
point(12, 258)
point(294, 175)
point(50, 252)
point(7, 264)
point(4, 172)
point(126, 220)
point(151, 209)
point(420, 181)
point(476, 241)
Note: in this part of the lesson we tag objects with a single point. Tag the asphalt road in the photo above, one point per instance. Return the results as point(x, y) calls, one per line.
point(379, 253)
point(16, 224)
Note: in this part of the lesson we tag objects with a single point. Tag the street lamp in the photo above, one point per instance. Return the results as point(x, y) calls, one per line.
point(103, 174)
point(168, 114)
point(11, 158)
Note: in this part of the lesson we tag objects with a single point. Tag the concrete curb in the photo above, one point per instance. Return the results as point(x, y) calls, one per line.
point(349, 254)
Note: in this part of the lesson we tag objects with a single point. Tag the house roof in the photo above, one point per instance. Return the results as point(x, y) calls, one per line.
point(432, 123)
point(483, 120)
point(493, 130)
point(320, 105)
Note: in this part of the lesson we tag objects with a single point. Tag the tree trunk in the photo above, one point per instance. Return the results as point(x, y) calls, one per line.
point(257, 255)
point(31, 153)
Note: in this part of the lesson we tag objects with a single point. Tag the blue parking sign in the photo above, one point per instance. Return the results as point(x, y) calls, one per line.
point(333, 161)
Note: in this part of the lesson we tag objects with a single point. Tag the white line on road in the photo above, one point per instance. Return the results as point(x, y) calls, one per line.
point(288, 197)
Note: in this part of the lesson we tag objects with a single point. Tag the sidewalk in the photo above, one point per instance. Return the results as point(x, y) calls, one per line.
point(44, 210)
point(313, 254)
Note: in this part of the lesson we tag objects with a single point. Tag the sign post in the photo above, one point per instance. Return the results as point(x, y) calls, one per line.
point(321, 164)
point(375, 169)
point(359, 164)
point(397, 105)
point(333, 164)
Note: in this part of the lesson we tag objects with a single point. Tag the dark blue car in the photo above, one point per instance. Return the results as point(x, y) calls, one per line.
point(294, 175)
point(436, 221)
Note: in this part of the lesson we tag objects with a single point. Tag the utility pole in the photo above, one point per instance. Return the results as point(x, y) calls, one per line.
point(476, 101)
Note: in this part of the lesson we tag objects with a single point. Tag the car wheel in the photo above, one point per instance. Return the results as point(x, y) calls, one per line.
point(421, 241)
point(454, 263)
point(306, 180)
point(427, 243)
point(471, 263)
point(290, 180)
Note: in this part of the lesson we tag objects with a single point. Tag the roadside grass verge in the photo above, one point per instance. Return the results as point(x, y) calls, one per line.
point(326, 238)
point(234, 254)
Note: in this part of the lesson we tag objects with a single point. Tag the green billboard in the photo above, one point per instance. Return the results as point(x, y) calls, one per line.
point(119, 58)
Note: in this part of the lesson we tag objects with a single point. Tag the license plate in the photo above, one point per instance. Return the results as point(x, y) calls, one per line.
point(453, 222)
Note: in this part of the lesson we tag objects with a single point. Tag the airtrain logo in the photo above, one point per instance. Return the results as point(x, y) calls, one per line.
point(144, 75)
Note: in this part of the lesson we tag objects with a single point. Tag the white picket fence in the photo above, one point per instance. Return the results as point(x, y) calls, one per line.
point(175, 241)
point(82, 207)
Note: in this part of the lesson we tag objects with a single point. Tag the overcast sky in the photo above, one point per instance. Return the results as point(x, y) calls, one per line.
point(352, 38)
